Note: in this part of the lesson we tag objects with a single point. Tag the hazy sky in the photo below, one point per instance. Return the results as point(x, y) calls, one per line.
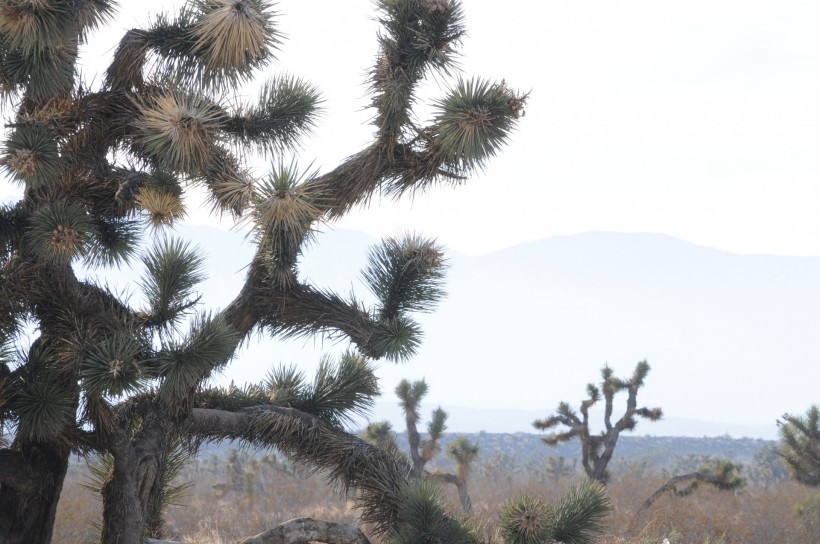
point(697, 119)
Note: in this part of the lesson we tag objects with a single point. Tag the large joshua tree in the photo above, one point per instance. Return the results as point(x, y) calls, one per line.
point(597, 449)
point(101, 164)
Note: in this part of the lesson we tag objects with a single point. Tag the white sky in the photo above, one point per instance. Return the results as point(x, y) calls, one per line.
point(697, 119)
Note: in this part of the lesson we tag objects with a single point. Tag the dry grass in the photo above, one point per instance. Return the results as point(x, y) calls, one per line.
point(231, 500)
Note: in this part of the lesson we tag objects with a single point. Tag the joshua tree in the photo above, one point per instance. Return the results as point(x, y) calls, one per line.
point(800, 445)
point(722, 474)
point(461, 450)
point(597, 450)
point(101, 164)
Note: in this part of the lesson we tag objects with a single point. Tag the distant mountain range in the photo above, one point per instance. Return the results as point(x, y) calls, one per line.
point(732, 339)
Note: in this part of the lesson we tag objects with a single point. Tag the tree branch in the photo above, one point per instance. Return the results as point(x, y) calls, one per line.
point(16, 472)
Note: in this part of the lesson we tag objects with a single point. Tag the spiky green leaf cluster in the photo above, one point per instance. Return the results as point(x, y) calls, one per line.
point(474, 121)
point(579, 514)
point(406, 274)
point(524, 521)
point(44, 409)
point(173, 269)
point(209, 45)
point(462, 451)
point(339, 391)
point(437, 424)
point(183, 365)
point(576, 518)
point(114, 366)
point(410, 395)
point(114, 242)
point(286, 110)
point(422, 518)
point(30, 155)
point(59, 231)
point(800, 445)
point(38, 43)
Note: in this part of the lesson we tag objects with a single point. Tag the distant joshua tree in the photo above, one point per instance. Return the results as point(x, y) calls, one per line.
point(800, 445)
point(720, 473)
point(597, 450)
point(462, 451)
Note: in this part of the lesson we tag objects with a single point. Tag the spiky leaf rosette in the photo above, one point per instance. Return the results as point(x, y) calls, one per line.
point(406, 274)
point(113, 367)
point(524, 521)
point(179, 130)
point(209, 344)
point(161, 198)
point(422, 517)
point(341, 390)
point(473, 121)
point(59, 231)
point(114, 241)
point(45, 73)
point(173, 268)
point(285, 111)
point(397, 339)
point(44, 408)
point(233, 36)
point(31, 155)
point(579, 514)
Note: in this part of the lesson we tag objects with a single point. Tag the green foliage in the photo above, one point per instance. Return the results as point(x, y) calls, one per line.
point(406, 275)
point(58, 232)
point(474, 121)
point(31, 155)
point(524, 521)
point(114, 366)
point(183, 365)
point(286, 110)
point(800, 445)
point(576, 518)
point(44, 409)
point(173, 269)
point(422, 518)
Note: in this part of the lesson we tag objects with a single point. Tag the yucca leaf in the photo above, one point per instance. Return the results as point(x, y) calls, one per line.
point(59, 231)
point(232, 36)
point(113, 367)
point(286, 110)
point(396, 339)
point(406, 274)
point(173, 269)
point(474, 120)
point(524, 521)
point(114, 242)
point(578, 515)
point(31, 155)
point(209, 344)
point(179, 130)
point(44, 408)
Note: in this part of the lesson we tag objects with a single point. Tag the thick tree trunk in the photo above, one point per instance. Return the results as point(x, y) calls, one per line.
point(29, 490)
point(132, 485)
